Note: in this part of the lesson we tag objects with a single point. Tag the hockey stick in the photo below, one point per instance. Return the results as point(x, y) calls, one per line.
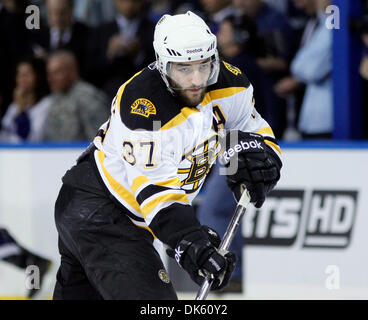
point(228, 238)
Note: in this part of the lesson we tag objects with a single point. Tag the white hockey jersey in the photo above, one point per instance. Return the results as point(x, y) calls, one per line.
point(154, 154)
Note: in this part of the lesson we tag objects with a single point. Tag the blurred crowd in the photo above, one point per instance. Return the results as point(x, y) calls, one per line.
point(57, 81)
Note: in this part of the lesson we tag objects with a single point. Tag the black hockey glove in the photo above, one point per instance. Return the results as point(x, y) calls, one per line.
point(250, 163)
point(197, 254)
point(213, 236)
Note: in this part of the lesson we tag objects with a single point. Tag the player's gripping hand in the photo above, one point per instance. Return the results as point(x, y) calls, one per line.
point(197, 254)
point(250, 163)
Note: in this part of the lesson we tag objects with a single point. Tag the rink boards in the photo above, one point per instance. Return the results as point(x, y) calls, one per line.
point(307, 242)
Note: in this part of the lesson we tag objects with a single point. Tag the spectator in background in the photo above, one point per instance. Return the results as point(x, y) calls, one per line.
point(297, 18)
point(182, 6)
point(25, 118)
point(289, 86)
point(94, 12)
point(63, 32)
point(280, 5)
point(312, 67)
point(14, 44)
point(216, 11)
point(240, 45)
point(275, 30)
point(158, 8)
point(123, 46)
point(280, 43)
point(78, 108)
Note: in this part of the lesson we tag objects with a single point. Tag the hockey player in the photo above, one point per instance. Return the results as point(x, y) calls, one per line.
point(135, 183)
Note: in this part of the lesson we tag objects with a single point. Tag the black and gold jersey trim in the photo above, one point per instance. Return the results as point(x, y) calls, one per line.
point(228, 79)
point(149, 191)
point(270, 139)
point(144, 99)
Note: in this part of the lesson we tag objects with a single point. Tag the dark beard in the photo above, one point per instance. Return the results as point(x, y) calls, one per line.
point(179, 94)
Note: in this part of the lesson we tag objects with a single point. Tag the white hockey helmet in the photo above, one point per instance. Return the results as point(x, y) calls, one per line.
point(184, 38)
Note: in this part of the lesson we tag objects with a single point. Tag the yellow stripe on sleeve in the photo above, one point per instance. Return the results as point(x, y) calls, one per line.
point(164, 198)
point(141, 180)
point(266, 130)
point(117, 187)
point(172, 182)
point(138, 182)
point(270, 143)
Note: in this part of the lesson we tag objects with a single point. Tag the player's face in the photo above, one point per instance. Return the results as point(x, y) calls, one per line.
point(190, 80)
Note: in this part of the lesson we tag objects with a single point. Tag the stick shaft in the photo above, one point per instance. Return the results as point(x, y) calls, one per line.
point(226, 241)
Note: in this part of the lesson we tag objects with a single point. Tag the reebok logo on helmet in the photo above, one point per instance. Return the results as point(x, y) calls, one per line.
point(194, 50)
point(243, 145)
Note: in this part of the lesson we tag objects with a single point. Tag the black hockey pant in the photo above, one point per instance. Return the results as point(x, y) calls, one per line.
point(103, 254)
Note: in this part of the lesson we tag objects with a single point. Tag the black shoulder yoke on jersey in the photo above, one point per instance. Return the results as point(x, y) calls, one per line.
point(145, 99)
point(229, 77)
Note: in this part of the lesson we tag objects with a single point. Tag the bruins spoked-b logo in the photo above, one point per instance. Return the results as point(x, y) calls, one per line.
point(197, 163)
point(143, 107)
